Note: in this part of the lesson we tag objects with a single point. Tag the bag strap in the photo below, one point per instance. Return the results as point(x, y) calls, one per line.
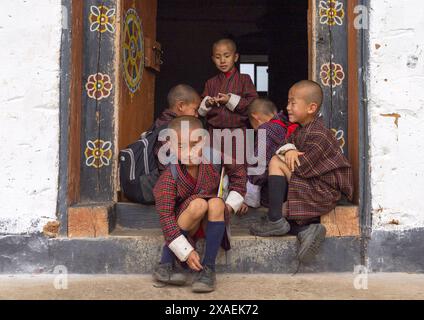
point(174, 171)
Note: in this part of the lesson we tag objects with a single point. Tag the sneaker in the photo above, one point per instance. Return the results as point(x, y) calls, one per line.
point(204, 281)
point(168, 274)
point(310, 242)
point(267, 228)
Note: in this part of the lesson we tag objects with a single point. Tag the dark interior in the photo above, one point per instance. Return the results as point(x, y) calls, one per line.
point(274, 29)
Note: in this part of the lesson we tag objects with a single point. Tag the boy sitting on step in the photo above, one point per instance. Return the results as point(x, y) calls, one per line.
point(187, 200)
point(309, 171)
point(183, 100)
point(263, 117)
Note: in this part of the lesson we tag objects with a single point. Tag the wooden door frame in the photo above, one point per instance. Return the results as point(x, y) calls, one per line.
point(71, 91)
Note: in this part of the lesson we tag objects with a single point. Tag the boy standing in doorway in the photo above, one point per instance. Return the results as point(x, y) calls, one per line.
point(227, 95)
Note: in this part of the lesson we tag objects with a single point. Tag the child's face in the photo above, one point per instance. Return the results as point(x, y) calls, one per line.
point(224, 57)
point(298, 109)
point(188, 149)
point(258, 119)
point(189, 109)
point(254, 122)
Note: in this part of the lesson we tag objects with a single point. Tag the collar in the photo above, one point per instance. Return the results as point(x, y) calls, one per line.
point(230, 73)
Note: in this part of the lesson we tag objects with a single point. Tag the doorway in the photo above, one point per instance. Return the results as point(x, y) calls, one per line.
point(272, 40)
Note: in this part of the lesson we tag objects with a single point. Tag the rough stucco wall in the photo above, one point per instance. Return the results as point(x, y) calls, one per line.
point(396, 91)
point(30, 34)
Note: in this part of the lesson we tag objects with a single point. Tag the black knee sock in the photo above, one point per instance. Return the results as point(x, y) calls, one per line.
point(214, 234)
point(277, 194)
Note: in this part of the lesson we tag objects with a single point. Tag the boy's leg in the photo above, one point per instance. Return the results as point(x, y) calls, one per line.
point(215, 229)
point(276, 225)
point(310, 241)
point(188, 221)
point(191, 217)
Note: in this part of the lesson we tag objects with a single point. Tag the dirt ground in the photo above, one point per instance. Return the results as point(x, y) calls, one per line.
point(230, 286)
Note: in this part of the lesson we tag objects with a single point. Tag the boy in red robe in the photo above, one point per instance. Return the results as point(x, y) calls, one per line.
point(183, 100)
point(227, 95)
point(310, 171)
point(187, 199)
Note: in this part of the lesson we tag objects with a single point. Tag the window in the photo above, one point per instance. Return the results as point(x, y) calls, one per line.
point(256, 66)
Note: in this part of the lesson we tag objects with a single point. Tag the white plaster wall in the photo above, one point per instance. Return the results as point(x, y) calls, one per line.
point(30, 34)
point(396, 85)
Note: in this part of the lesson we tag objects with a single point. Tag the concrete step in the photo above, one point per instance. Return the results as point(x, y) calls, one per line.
point(137, 228)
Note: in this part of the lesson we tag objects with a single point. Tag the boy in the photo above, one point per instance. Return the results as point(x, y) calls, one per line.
point(183, 100)
point(227, 95)
point(309, 170)
point(186, 194)
point(263, 116)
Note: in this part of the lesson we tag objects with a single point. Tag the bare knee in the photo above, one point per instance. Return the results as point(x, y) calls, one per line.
point(279, 168)
point(275, 162)
point(198, 208)
point(216, 208)
point(276, 166)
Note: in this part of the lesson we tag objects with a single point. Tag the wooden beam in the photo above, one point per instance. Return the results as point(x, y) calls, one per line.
point(343, 221)
point(74, 155)
point(353, 98)
point(93, 221)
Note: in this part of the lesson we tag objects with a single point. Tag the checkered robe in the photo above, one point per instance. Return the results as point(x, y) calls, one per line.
point(323, 176)
point(173, 196)
point(164, 119)
point(239, 84)
point(275, 137)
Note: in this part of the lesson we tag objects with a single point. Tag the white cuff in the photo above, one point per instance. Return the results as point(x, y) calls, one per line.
point(287, 147)
point(253, 195)
point(203, 110)
point(181, 247)
point(235, 200)
point(233, 102)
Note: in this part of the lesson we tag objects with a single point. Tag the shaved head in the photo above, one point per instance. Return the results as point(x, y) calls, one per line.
point(228, 42)
point(311, 91)
point(262, 106)
point(182, 92)
point(193, 123)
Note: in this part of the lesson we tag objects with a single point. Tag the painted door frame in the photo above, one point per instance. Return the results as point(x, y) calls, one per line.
point(75, 46)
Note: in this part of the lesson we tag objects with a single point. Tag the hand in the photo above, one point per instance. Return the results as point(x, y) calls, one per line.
point(292, 159)
point(211, 103)
point(193, 261)
point(222, 98)
point(243, 210)
point(230, 209)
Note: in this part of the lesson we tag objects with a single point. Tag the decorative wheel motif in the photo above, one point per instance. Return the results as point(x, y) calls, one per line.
point(133, 50)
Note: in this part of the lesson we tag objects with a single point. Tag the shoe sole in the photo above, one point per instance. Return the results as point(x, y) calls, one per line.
point(175, 282)
point(271, 233)
point(309, 253)
point(201, 288)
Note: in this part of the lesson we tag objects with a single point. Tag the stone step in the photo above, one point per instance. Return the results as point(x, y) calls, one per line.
point(138, 227)
point(249, 254)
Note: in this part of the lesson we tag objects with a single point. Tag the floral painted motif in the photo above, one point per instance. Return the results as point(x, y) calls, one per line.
point(102, 19)
point(332, 74)
point(98, 153)
point(99, 86)
point(339, 135)
point(331, 12)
